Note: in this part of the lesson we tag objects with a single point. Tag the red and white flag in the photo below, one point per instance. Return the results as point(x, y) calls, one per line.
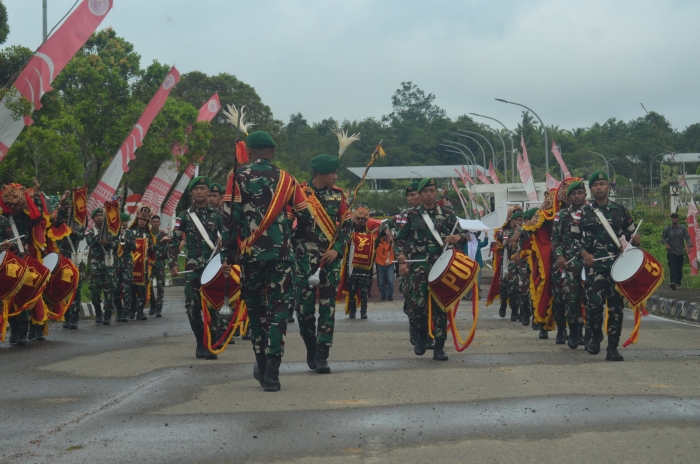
point(526, 173)
point(492, 173)
point(482, 177)
point(560, 160)
point(49, 60)
point(107, 186)
point(462, 200)
point(465, 172)
point(160, 185)
point(694, 232)
point(170, 207)
point(552, 183)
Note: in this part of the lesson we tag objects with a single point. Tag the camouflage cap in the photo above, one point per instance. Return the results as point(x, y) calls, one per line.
point(598, 175)
point(578, 185)
point(426, 183)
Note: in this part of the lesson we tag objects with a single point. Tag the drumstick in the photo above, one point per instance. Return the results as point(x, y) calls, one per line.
point(412, 261)
point(597, 259)
point(635, 233)
point(13, 239)
point(453, 231)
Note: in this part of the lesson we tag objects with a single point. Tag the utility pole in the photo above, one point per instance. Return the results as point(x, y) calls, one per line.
point(46, 30)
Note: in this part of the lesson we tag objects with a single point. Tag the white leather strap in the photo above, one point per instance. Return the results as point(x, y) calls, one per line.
point(15, 232)
point(606, 226)
point(431, 227)
point(201, 230)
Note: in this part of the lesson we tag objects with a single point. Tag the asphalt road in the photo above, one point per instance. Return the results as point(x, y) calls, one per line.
point(136, 392)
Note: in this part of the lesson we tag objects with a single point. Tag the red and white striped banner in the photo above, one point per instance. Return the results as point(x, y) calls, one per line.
point(482, 177)
point(466, 175)
point(106, 188)
point(174, 199)
point(552, 183)
point(694, 232)
point(560, 160)
point(47, 63)
point(161, 183)
point(526, 173)
point(492, 173)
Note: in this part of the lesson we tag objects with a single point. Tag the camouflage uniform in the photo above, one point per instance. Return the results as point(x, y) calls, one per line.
point(359, 282)
point(415, 241)
point(198, 253)
point(102, 277)
point(267, 268)
point(124, 275)
point(160, 254)
point(64, 246)
point(599, 286)
point(523, 276)
point(568, 289)
point(140, 292)
point(509, 286)
point(333, 201)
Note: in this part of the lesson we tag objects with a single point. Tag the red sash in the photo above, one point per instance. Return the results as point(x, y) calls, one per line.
point(140, 261)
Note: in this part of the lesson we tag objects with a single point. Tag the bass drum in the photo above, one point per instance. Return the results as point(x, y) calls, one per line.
point(63, 280)
point(637, 275)
point(451, 277)
point(12, 271)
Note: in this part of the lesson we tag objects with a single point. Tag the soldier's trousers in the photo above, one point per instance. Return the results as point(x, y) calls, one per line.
point(359, 283)
point(267, 289)
point(418, 306)
point(330, 277)
point(102, 281)
point(524, 302)
point(158, 273)
point(572, 294)
point(193, 304)
point(600, 289)
point(509, 287)
point(122, 291)
point(138, 297)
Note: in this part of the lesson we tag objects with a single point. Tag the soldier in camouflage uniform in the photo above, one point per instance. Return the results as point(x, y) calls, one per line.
point(267, 254)
point(141, 229)
point(414, 242)
point(68, 247)
point(508, 279)
point(359, 280)
point(216, 201)
point(520, 244)
point(567, 275)
point(124, 272)
point(597, 243)
point(160, 255)
point(101, 264)
point(413, 199)
point(199, 253)
point(316, 252)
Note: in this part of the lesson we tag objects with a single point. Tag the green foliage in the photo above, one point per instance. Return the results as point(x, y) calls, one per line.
point(651, 242)
point(4, 25)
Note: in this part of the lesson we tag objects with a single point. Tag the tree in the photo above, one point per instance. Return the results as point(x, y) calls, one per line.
point(4, 24)
point(411, 104)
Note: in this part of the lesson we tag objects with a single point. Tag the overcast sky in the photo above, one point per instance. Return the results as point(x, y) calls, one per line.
point(574, 62)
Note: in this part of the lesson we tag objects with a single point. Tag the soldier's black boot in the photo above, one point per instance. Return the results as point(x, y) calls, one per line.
point(152, 311)
point(561, 333)
point(587, 338)
point(259, 368)
point(581, 340)
point(363, 313)
point(39, 332)
point(66, 321)
point(525, 316)
point(159, 313)
point(14, 330)
point(120, 309)
point(201, 352)
point(98, 312)
point(412, 332)
point(502, 309)
point(140, 316)
point(74, 320)
point(322, 366)
point(272, 374)
point(594, 343)
point(310, 343)
point(421, 340)
point(429, 343)
point(439, 352)
point(30, 334)
point(612, 353)
point(107, 320)
point(543, 335)
point(22, 329)
point(514, 314)
point(574, 331)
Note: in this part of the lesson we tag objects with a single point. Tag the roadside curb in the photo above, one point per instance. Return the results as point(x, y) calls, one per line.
point(673, 309)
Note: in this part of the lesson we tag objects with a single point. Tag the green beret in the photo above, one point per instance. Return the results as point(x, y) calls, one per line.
point(598, 175)
point(260, 139)
point(325, 164)
point(124, 217)
point(578, 185)
point(425, 183)
point(412, 187)
point(199, 180)
point(97, 211)
point(216, 188)
point(530, 213)
point(517, 215)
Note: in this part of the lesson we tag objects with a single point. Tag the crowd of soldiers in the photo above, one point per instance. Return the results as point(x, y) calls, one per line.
point(283, 235)
point(584, 241)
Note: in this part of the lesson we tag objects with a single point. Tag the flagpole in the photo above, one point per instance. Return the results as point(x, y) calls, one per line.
point(483, 152)
point(493, 153)
point(512, 147)
point(546, 140)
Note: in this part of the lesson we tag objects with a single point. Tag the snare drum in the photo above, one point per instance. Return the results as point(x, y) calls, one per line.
point(34, 283)
point(637, 275)
point(12, 270)
point(63, 281)
point(451, 277)
point(213, 279)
